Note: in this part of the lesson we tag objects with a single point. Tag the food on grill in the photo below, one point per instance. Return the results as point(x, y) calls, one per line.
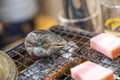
point(107, 44)
point(43, 43)
point(91, 71)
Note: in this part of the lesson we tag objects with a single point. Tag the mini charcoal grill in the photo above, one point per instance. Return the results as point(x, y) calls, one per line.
point(57, 67)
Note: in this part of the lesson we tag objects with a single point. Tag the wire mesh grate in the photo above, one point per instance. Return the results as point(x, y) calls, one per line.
point(20, 56)
point(57, 66)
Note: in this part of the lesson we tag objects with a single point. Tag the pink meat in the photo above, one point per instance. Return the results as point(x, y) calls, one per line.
point(91, 71)
point(107, 44)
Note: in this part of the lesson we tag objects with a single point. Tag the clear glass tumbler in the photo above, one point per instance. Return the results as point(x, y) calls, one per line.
point(111, 16)
point(91, 22)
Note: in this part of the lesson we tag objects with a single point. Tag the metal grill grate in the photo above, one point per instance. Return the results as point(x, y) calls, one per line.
point(57, 66)
point(20, 56)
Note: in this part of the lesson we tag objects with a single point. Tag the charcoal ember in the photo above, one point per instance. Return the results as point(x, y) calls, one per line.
point(69, 51)
point(107, 61)
point(70, 47)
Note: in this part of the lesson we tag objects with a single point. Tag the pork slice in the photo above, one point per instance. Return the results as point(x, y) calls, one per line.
point(107, 44)
point(91, 71)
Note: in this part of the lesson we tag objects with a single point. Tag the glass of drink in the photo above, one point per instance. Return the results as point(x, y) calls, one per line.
point(91, 21)
point(111, 16)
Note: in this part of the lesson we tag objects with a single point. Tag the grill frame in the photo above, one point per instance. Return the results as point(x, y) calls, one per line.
point(24, 62)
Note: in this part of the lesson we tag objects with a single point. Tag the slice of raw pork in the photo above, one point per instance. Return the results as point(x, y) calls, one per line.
point(91, 71)
point(107, 44)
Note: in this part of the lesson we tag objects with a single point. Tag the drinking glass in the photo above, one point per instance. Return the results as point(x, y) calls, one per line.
point(91, 22)
point(111, 16)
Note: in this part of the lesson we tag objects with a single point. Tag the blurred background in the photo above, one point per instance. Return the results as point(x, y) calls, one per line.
point(19, 17)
